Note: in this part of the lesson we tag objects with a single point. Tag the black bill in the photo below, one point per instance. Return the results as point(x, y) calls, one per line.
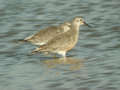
point(87, 24)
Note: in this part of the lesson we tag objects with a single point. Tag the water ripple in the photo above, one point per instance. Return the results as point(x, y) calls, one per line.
point(98, 47)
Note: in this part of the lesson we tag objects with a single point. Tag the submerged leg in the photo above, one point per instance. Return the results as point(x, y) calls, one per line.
point(63, 53)
point(64, 57)
point(55, 56)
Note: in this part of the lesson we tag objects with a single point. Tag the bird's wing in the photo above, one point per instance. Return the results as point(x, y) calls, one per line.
point(59, 42)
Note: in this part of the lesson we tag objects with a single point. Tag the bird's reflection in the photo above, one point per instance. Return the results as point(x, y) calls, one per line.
point(73, 63)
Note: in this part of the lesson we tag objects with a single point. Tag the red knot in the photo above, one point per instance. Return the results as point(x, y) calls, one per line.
point(43, 36)
point(64, 42)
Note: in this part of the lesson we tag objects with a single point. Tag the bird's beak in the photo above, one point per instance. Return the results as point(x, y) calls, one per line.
point(87, 24)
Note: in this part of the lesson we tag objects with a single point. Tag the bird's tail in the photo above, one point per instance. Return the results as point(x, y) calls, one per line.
point(40, 49)
point(36, 50)
point(19, 41)
point(22, 40)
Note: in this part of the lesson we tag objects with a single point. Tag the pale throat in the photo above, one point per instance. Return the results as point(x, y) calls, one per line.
point(76, 27)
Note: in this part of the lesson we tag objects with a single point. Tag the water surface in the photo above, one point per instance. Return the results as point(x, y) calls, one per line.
point(94, 63)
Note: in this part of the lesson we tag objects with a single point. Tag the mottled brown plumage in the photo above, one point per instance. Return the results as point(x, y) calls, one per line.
point(43, 36)
point(64, 42)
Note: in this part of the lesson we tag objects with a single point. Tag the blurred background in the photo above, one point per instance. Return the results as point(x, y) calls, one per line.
point(94, 63)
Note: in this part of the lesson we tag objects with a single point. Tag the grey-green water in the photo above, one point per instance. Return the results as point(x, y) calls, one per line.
point(95, 63)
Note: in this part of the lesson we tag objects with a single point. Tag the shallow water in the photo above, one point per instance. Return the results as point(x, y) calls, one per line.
point(93, 64)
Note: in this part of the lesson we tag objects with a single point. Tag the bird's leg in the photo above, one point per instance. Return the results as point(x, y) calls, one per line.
point(55, 56)
point(64, 56)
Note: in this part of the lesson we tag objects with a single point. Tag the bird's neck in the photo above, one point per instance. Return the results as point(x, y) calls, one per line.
point(75, 27)
point(75, 32)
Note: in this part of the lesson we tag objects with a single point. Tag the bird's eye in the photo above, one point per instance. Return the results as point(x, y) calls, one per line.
point(80, 19)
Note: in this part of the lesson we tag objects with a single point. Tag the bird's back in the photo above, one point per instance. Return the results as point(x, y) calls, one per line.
point(65, 41)
point(43, 36)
